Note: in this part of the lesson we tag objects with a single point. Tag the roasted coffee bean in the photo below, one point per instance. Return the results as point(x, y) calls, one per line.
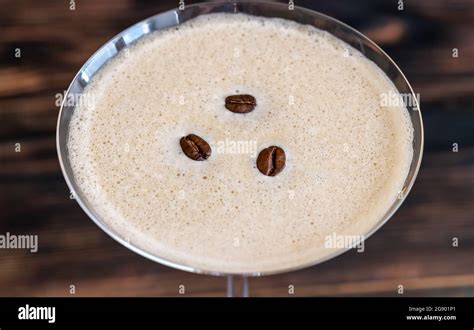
point(271, 160)
point(240, 103)
point(195, 147)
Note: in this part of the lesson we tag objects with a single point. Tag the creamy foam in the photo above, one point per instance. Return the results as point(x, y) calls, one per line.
point(318, 98)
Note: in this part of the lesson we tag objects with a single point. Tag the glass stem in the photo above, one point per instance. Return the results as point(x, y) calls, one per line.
point(230, 286)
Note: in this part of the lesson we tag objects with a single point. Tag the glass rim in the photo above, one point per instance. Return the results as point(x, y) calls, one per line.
point(175, 17)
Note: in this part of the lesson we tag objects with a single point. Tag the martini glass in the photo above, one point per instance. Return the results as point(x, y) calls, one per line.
point(266, 9)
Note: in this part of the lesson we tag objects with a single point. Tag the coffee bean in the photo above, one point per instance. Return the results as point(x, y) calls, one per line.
point(271, 160)
point(240, 103)
point(195, 147)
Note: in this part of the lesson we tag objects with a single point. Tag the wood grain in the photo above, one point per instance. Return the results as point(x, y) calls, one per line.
point(414, 249)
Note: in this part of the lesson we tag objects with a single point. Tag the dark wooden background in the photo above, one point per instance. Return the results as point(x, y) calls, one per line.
point(414, 249)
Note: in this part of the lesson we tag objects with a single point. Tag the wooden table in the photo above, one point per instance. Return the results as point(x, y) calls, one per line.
point(414, 249)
